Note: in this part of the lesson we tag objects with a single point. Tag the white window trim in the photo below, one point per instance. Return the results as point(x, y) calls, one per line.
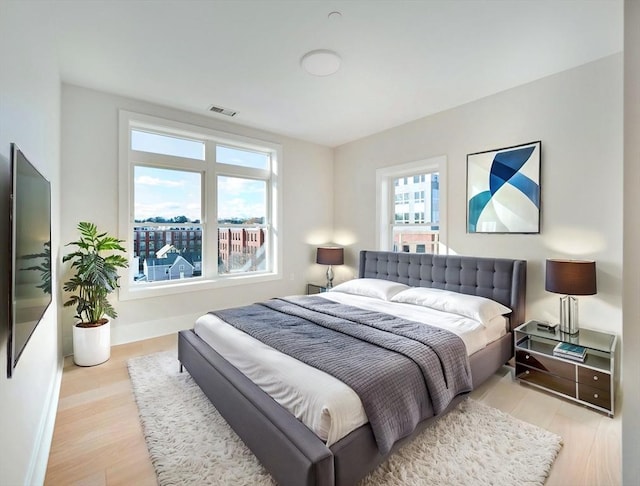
point(385, 208)
point(127, 120)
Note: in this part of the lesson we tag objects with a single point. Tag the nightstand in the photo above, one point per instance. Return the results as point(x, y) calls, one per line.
point(315, 289)
point(591, 382)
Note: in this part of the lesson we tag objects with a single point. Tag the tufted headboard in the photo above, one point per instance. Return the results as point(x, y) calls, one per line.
point(500, 279)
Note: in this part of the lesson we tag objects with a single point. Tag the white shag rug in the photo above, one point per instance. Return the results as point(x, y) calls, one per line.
point(191, 444)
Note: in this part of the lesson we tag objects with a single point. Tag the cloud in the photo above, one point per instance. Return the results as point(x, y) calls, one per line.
point(236, 184)
point(241, 208)
point(241, 198)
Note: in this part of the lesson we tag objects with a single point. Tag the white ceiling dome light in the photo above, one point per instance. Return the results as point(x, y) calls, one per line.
point(321, 62)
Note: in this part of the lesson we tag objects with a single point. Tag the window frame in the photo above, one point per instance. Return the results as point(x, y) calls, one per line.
point(385, 199)
point(211, 169)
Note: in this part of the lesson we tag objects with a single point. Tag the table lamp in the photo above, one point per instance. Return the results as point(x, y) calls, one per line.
point(570, 277)
point(330, 256)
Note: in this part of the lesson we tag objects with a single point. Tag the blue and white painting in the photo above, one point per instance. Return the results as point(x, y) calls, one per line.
point(503, 190)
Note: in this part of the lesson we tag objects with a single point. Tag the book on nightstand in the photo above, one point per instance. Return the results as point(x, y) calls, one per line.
point(570, 351)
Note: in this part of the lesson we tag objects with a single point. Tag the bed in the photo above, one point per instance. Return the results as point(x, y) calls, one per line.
point(290, 450)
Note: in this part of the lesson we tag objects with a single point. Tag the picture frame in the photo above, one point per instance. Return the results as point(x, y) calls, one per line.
point(503, 190)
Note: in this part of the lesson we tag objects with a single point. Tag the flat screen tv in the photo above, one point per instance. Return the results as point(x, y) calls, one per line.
point(30, 242)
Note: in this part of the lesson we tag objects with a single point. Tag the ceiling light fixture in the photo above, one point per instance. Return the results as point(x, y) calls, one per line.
point(321, 62)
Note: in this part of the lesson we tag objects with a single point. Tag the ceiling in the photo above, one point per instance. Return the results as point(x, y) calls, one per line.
point(401, 60)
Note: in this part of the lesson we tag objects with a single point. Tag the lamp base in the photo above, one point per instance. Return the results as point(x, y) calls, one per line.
point(329, 277)
point(569, 314)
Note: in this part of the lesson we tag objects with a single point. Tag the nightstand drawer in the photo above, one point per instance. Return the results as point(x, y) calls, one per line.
point(547, 380)
point(595, 379)
point(597, 396)
point(551, 365)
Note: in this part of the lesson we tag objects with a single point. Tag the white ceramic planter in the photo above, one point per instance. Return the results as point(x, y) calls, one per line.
point(91, 345)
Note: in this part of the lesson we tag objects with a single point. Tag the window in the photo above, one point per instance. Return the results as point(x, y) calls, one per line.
point(197, 207)
point(420, 230)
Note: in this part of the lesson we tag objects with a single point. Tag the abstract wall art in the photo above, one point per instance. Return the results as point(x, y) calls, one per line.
point(503, 190)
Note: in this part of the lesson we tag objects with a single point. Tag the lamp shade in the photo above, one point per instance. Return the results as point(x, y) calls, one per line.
point(571, 277)
point(330, 256)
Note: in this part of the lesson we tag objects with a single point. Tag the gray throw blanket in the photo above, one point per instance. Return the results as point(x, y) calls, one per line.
point(403, 371)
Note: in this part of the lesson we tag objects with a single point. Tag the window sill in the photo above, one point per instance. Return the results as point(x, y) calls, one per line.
point(132, 292)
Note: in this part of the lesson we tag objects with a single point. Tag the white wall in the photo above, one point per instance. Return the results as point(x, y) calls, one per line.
point(631, 330)
point(577, 115)
point(30, 117)
point(89, 188)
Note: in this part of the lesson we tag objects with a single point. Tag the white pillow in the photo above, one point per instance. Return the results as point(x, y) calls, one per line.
point(371, 287)
point(475, 307)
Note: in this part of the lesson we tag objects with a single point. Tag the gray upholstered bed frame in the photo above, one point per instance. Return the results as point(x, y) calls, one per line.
point(287, 448)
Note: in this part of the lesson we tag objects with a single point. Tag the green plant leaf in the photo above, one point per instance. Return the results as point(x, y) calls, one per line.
point(95, 274)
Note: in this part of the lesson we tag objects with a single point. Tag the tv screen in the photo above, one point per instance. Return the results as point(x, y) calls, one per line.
point(30, 235)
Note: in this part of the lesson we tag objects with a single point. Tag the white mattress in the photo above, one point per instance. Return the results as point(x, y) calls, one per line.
point(330, 408)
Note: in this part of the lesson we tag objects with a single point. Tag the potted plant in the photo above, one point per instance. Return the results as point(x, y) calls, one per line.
point(95, 276)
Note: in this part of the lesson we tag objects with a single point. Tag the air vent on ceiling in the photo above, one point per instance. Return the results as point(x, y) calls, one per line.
point(222, 111)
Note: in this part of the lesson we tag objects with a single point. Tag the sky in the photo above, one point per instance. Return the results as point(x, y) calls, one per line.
point(169, 193)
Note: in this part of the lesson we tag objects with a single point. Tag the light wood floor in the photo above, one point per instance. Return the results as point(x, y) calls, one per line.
point(98, 438)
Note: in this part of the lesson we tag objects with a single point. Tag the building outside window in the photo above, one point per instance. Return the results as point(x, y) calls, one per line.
point(201, 205)
point(409, 206)
point(421, 233)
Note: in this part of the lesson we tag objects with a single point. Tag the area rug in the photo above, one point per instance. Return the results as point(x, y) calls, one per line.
point(191, 444)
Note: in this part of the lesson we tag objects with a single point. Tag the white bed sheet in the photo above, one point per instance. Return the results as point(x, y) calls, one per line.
point(330, 408)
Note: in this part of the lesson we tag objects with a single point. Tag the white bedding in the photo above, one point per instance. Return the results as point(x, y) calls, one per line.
point(323, 403)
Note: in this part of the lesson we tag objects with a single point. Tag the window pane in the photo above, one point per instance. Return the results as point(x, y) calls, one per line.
point(416, 231)
point(422, 196)
point(175, 256)
point(242, 210)
point(163, 144)
point(244, 158)
point(166, 195)
point(160, 250)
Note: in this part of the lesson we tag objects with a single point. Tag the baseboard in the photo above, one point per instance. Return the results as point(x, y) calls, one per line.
point(40, 458)
point(127, 333)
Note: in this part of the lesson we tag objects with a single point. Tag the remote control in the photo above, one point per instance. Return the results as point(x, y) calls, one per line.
point(546, 326)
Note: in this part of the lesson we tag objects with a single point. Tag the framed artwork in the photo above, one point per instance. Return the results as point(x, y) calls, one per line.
point(503, 190)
